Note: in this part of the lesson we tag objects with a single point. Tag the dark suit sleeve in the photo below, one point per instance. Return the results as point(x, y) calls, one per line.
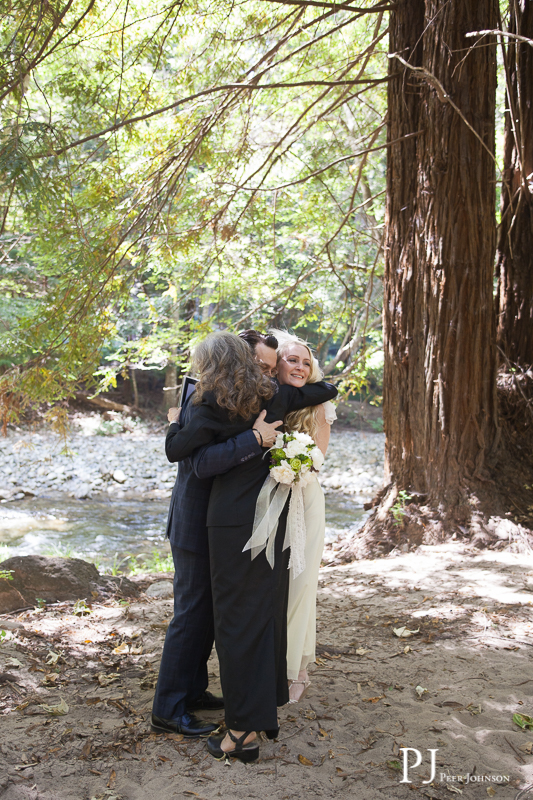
point(312, 394)
point(218, 458)
point(201, 429)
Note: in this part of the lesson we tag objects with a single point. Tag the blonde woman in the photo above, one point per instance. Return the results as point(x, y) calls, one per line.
point(296, 367)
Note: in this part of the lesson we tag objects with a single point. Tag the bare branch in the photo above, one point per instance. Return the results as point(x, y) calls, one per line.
point(334, 163)
point(384, 6)
point(500, 33)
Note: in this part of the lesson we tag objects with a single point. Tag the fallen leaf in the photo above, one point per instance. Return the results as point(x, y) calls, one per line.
point(121, 649)
point(491, 791)
point(14, 662)
point(163, 758)
point(136, 651)
point(322, 733)
point(52, 658)
point(373, 699)
point(474, 709)
point(523, 721)
point(454, 789)
point(105, 680)
point(57, 710)
point(407, 649)
point(81, 609)
point(51, 678)
point(361, 651)
point(305, 761)
point(420, 691)
point(404, 632)
point(527, 747)
point(86, 749)
point(394, 764)
point(112, 777)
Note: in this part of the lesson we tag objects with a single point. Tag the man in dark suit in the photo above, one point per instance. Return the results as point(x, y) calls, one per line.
point(182, 684)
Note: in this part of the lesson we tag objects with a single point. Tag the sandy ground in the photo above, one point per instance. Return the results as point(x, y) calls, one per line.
point(470, 659)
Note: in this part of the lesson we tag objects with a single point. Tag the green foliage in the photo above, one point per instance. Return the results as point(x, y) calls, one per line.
point(398, 509)
point(6, 574)
point(150, 562)
point(126, 240)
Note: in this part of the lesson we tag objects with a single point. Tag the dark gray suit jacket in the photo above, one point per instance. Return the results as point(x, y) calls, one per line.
point(187, 515)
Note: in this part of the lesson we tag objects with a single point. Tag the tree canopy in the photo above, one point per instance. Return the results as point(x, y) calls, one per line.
point(168, 170)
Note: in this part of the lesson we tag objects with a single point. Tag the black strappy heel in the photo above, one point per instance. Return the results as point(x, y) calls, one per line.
point(244, 752)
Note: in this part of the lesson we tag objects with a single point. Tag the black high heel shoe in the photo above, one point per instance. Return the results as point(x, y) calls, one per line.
point(244, 752)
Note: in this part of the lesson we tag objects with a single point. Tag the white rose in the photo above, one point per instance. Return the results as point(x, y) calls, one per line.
point(295, 448)
point(304, 438)
point(317, 456)
point(283, 473)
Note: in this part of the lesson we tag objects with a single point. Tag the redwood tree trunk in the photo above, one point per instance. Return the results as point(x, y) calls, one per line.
point(440, 362)
point(515, 244)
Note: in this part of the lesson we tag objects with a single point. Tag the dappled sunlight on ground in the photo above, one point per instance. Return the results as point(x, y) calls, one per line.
point(429, 649)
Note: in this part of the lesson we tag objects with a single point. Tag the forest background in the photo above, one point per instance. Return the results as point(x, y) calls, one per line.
point(169, 170)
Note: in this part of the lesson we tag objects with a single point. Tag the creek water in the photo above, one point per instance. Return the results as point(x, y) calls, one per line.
point(107, 531)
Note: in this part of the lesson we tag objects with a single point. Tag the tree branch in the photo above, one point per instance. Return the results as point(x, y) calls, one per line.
point(212, 90)
point(383, 6)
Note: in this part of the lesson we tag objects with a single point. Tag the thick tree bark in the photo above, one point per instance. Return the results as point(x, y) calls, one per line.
point(402, 314)
point(440, 364)
point(515, 243)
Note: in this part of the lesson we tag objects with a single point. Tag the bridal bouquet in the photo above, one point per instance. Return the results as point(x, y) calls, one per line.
point(294, 458)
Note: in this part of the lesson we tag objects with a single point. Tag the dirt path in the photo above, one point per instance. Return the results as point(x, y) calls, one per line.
point(472, 656)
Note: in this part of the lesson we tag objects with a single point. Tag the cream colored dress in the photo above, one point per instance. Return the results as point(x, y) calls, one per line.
point(301, 614)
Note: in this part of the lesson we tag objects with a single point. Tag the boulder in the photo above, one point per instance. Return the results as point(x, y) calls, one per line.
point(160, 589)
point(55, 579)
point(10, 599)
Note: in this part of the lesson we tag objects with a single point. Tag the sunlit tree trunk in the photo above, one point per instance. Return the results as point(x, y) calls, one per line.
point(440, 360)
point(515, 243)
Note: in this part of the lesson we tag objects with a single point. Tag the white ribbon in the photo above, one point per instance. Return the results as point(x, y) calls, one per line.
point(270, 504)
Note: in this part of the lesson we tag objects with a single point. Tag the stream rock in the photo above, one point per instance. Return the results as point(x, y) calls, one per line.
point(161, 590)
point(134, 466)
point(56, 579)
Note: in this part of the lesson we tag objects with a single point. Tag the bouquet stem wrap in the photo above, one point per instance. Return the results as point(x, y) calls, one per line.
point(270, 504)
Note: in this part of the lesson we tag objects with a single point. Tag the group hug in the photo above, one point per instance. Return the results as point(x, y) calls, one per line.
point(246, 535)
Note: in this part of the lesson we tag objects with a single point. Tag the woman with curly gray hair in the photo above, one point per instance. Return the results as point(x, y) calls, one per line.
point(249, 596)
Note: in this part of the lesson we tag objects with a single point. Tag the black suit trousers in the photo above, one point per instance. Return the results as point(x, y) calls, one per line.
point(189, 640)
point(250, 606)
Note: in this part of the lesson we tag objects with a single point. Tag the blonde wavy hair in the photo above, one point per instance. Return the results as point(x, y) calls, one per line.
point(225, 365)
point(306, 419)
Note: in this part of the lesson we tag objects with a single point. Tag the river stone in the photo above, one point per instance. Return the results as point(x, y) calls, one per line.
point(82, 492)
point(54, 579)
point(160, 589)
